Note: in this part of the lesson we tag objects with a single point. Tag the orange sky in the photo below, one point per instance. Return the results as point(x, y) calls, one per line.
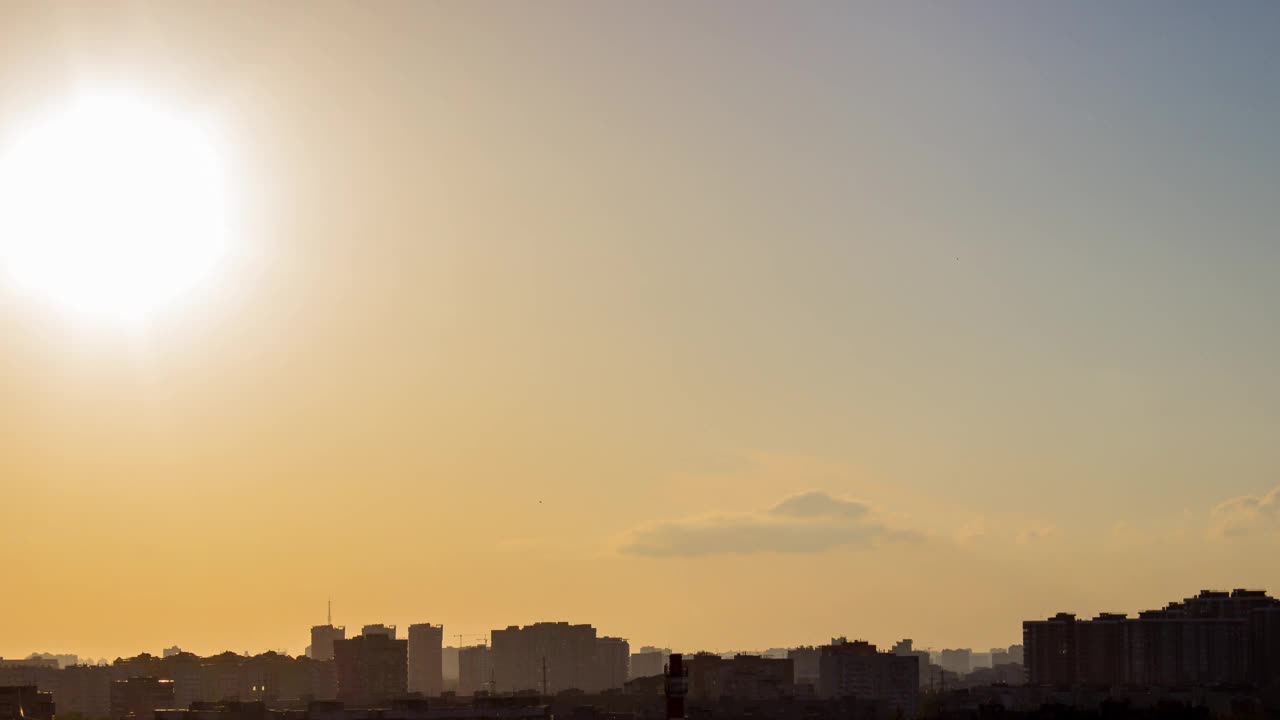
point(730, 329)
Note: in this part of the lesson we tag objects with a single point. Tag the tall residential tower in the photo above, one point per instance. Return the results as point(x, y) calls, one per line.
point(426, 643)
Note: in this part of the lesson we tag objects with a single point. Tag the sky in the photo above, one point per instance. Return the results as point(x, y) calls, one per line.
point(716, 325)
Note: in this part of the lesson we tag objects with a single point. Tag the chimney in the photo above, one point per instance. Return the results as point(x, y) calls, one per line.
point(677, 686)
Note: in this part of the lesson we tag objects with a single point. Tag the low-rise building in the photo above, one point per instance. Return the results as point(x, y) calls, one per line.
point(139, 697)
point(25, 702)
point(712, 678)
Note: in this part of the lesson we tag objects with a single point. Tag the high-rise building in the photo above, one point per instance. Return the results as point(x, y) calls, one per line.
point(475, 670)
point(449, 667)
point(322, 639)
point(371, 669)
point(1172, 647)
point(857, 669)
point(379, 629)
point(426, 644)
point(1100, 650)
point(1213, 638)
point(613, 658)
point(545, 657)
point(1050, 650)
point(1264, 645)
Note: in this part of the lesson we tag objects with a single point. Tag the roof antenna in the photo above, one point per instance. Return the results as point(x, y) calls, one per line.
point(331, 612)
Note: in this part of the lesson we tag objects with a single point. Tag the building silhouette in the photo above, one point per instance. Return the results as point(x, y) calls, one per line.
point(371, 669)
point(84, 690)
point(805, 662)
point(475, 670)
point(220, 677)
point(858, 670)
point(519, 708)
point(1264, 644)
point(612, 663)
point(42, 675)
point(1004, 674)
point(1017, 654)
point(648, 662)
point(227, 710)
point(25, 702)
point(87, 689)
point(551, 657)
point(958, 661)
point(1051, 650)
point(322, 639)
point(1213, 638)
point(62, 659)
point(1006, 656)
point(906, 648)
point(31, 662)
point(379, 629)
point(137, 698)
point(743, 678)
point(426, 646)
point(449, 667)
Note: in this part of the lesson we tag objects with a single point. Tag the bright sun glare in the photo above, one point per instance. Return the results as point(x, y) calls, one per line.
point(113, 209)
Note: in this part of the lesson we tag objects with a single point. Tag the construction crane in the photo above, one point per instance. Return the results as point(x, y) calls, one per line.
point(484, 638)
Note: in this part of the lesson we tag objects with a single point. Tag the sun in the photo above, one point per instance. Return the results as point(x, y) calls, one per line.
point(113, 208)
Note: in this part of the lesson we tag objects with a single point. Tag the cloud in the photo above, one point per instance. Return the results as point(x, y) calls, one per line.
point(811, 522)
point(817, 504)
point(1126, 533)
point(1246, 515)
point(972, 531)
point(1036, 534)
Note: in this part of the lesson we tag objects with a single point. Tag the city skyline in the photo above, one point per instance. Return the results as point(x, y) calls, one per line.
point(715, 325)
point(1214, 654)
point(468, 640)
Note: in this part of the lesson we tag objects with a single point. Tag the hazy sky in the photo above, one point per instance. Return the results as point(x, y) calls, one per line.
point(716, 325)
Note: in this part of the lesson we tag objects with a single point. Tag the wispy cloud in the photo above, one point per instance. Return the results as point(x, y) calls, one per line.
point(1246, 515)
point(811, 522)
point(1036, 534)
point(972, 531)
